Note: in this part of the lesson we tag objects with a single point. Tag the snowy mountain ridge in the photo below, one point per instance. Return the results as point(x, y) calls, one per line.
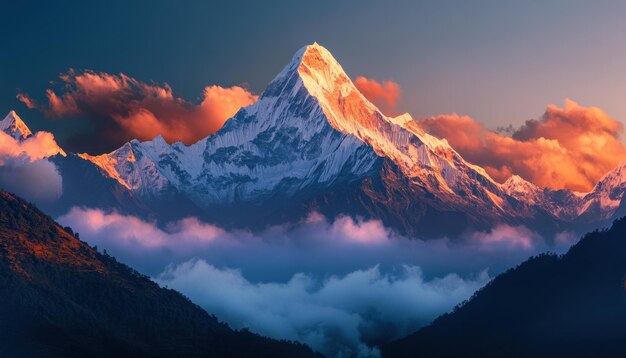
point(311, 127)
point(312, 141)
point(14, 126)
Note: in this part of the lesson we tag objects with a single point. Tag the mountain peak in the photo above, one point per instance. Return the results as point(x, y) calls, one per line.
point(521, 189)
point(516, 183)
point(14, 126)
point(317, 64)
point(316, 49)
point(515, 180)
point(311, 129)
point(320, 69)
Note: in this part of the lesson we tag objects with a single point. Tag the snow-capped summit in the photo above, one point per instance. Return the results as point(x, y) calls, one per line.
point(418, 154)
point(13, 125)
point(310, 131)
point(312, 141)
point(522, 189)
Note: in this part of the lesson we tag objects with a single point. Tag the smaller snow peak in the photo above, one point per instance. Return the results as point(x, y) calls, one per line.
point(156, 142)
point(612, 179)
point(14, 126)
point(159, 143)
point(125, 152)
point(515, 180)
point(516, 186)
point(157, 146)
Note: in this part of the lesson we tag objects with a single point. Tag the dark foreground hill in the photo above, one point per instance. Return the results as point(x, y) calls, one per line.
point(573, 305)
point(61, 298)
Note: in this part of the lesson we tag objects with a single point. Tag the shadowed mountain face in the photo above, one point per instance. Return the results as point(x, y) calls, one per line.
point(574, 305)
point(60, 297)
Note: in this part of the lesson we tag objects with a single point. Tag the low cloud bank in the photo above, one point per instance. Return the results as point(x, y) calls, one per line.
point(338, 315)
point(341, 285)
point(315, 245)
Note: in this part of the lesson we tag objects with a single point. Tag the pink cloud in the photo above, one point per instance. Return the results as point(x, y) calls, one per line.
point(362, 231)
point(24, 98)
point(40, 145)
point(130, 231)
point(384, 95)
point(124, 108)
point(570, 147)
point(24, 169)
point(506, 237)
point(318, 263)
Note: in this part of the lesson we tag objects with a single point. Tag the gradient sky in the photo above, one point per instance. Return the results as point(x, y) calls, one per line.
point(501, 62)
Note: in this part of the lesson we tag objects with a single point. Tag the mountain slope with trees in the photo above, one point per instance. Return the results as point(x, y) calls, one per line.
point(60, 297)
point(570, 305)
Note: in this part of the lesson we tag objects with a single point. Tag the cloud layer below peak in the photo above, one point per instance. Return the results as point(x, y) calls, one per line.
point(340, 315)
point(341, 285)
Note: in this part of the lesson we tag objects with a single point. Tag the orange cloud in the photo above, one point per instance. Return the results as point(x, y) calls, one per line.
point(24, 169)
point(123, 108)
point(384, 95)
point(570, 147)
point(38, 146)
point(24, 98)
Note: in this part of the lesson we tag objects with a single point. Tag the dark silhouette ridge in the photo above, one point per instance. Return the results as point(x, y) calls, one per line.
point(61, 298)
point(572, 305)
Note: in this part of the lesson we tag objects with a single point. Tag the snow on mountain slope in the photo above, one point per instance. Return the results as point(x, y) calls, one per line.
point(310, 128)
point(563, 204)
point(431, 162)
point(523, 190)
point(313, 138)
point(131, 167)
point(13, 125)
point(606, 196)
point(283, 140)
point(598, 205)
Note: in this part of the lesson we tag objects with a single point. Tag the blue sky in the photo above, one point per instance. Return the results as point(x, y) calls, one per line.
point(501, 62)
